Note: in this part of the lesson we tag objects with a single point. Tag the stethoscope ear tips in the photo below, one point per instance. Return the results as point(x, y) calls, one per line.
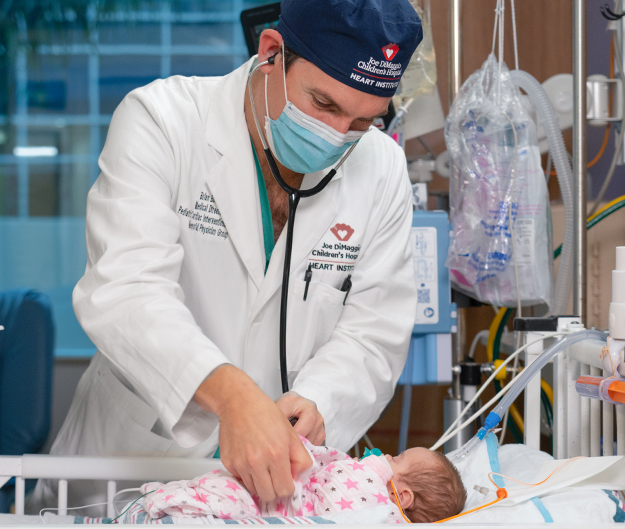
point(270, 60)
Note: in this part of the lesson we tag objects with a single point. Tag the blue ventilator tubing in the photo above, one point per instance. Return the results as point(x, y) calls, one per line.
point(494, 417)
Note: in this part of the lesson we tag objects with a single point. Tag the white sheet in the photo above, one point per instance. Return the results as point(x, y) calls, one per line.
point(556, 503)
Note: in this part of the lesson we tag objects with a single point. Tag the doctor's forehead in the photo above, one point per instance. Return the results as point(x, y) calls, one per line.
point(345, 99)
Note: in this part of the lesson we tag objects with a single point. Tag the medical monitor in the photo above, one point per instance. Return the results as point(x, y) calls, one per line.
point(255, 20)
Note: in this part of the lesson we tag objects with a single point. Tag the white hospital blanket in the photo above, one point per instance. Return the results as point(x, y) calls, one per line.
point(524, 464)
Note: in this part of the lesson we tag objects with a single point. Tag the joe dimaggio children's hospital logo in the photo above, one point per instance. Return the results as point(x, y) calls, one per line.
point(381, 73)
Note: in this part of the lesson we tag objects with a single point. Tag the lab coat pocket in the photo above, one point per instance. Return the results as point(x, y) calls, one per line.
point(130, 418)
point(310, 323)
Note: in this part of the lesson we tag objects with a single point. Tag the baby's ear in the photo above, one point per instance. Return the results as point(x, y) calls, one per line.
point(406, 496)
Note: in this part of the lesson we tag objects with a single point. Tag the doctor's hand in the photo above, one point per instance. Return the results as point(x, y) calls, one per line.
point(256, 441)
point(309, 421)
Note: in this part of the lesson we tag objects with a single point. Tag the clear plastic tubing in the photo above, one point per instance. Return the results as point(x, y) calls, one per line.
point(494, 417)
point(549, 119)
point(611, 390)
point(465, 449)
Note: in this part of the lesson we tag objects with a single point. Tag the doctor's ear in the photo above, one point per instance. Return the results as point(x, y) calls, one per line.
point(269, 46)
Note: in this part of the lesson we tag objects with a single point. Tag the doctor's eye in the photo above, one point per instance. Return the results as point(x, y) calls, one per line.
point(321, 105)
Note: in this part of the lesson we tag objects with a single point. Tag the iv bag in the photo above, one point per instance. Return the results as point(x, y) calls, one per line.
point(420, 75)
point(497, 187)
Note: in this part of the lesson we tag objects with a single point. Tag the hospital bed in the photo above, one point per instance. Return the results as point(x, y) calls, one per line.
point(580, 425)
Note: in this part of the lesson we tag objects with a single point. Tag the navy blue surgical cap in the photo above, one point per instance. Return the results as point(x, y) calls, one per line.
point(365, 44)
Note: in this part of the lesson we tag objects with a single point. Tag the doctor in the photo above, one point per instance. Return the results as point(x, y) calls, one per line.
point(186, 243)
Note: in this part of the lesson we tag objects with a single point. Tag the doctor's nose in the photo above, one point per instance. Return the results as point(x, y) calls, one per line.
point(340, 124)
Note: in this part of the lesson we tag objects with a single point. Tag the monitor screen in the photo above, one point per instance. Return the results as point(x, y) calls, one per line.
point(255, 21)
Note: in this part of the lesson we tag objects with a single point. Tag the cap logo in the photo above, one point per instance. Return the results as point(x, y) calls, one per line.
point(390, 50)
point(342, 232)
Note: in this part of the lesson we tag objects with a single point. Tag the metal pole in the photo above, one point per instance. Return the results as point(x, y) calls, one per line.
point(455, 57)
point(579, 159)
point(455, 80)
point(404, 424)
point(458, 344)
point(453, 403)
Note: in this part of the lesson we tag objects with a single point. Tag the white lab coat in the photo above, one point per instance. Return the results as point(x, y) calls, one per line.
point(175, 284)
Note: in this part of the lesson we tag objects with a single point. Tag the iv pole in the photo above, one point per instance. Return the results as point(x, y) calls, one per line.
point(453, 403)
point(579, 159)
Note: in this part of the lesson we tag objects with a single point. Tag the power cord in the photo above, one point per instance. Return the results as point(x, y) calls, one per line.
point(130, 506)
point(98, 504)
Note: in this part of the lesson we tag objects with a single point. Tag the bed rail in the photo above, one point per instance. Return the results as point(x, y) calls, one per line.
point(109, 469)
point(581, 426)
point(589, 427)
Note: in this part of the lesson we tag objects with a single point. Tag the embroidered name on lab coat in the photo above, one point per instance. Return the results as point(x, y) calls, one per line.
point(205, 217)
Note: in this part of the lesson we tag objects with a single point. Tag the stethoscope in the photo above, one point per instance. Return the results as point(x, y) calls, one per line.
point(294, 198)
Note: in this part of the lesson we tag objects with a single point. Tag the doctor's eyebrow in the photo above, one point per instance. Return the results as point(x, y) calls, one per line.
point(379, 115)
point(333, 105)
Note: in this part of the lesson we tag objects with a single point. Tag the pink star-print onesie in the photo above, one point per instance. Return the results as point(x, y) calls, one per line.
point(335, 483)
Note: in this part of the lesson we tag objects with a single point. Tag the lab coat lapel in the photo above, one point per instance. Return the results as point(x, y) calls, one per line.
point(313, 218)
point(233, 181)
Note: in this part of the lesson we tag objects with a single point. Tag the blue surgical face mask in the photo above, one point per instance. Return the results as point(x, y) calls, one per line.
point(302, 143)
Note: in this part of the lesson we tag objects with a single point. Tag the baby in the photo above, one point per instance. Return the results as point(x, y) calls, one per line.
point(428, 485)
point(428, 488)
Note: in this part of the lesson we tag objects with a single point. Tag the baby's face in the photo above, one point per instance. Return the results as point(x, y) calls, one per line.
point(402, 463)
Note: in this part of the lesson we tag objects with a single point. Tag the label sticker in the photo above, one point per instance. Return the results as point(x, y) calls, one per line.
point(524, 235)
point(425, 257)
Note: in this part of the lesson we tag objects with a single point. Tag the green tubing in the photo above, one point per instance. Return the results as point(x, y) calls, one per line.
point(593, 221)
point(605, 214)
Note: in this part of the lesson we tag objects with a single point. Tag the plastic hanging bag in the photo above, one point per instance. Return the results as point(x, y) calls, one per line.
point(497, 188)
point(420, 75)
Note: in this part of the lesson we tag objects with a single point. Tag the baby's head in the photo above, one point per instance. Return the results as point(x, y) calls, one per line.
point(428, 486)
